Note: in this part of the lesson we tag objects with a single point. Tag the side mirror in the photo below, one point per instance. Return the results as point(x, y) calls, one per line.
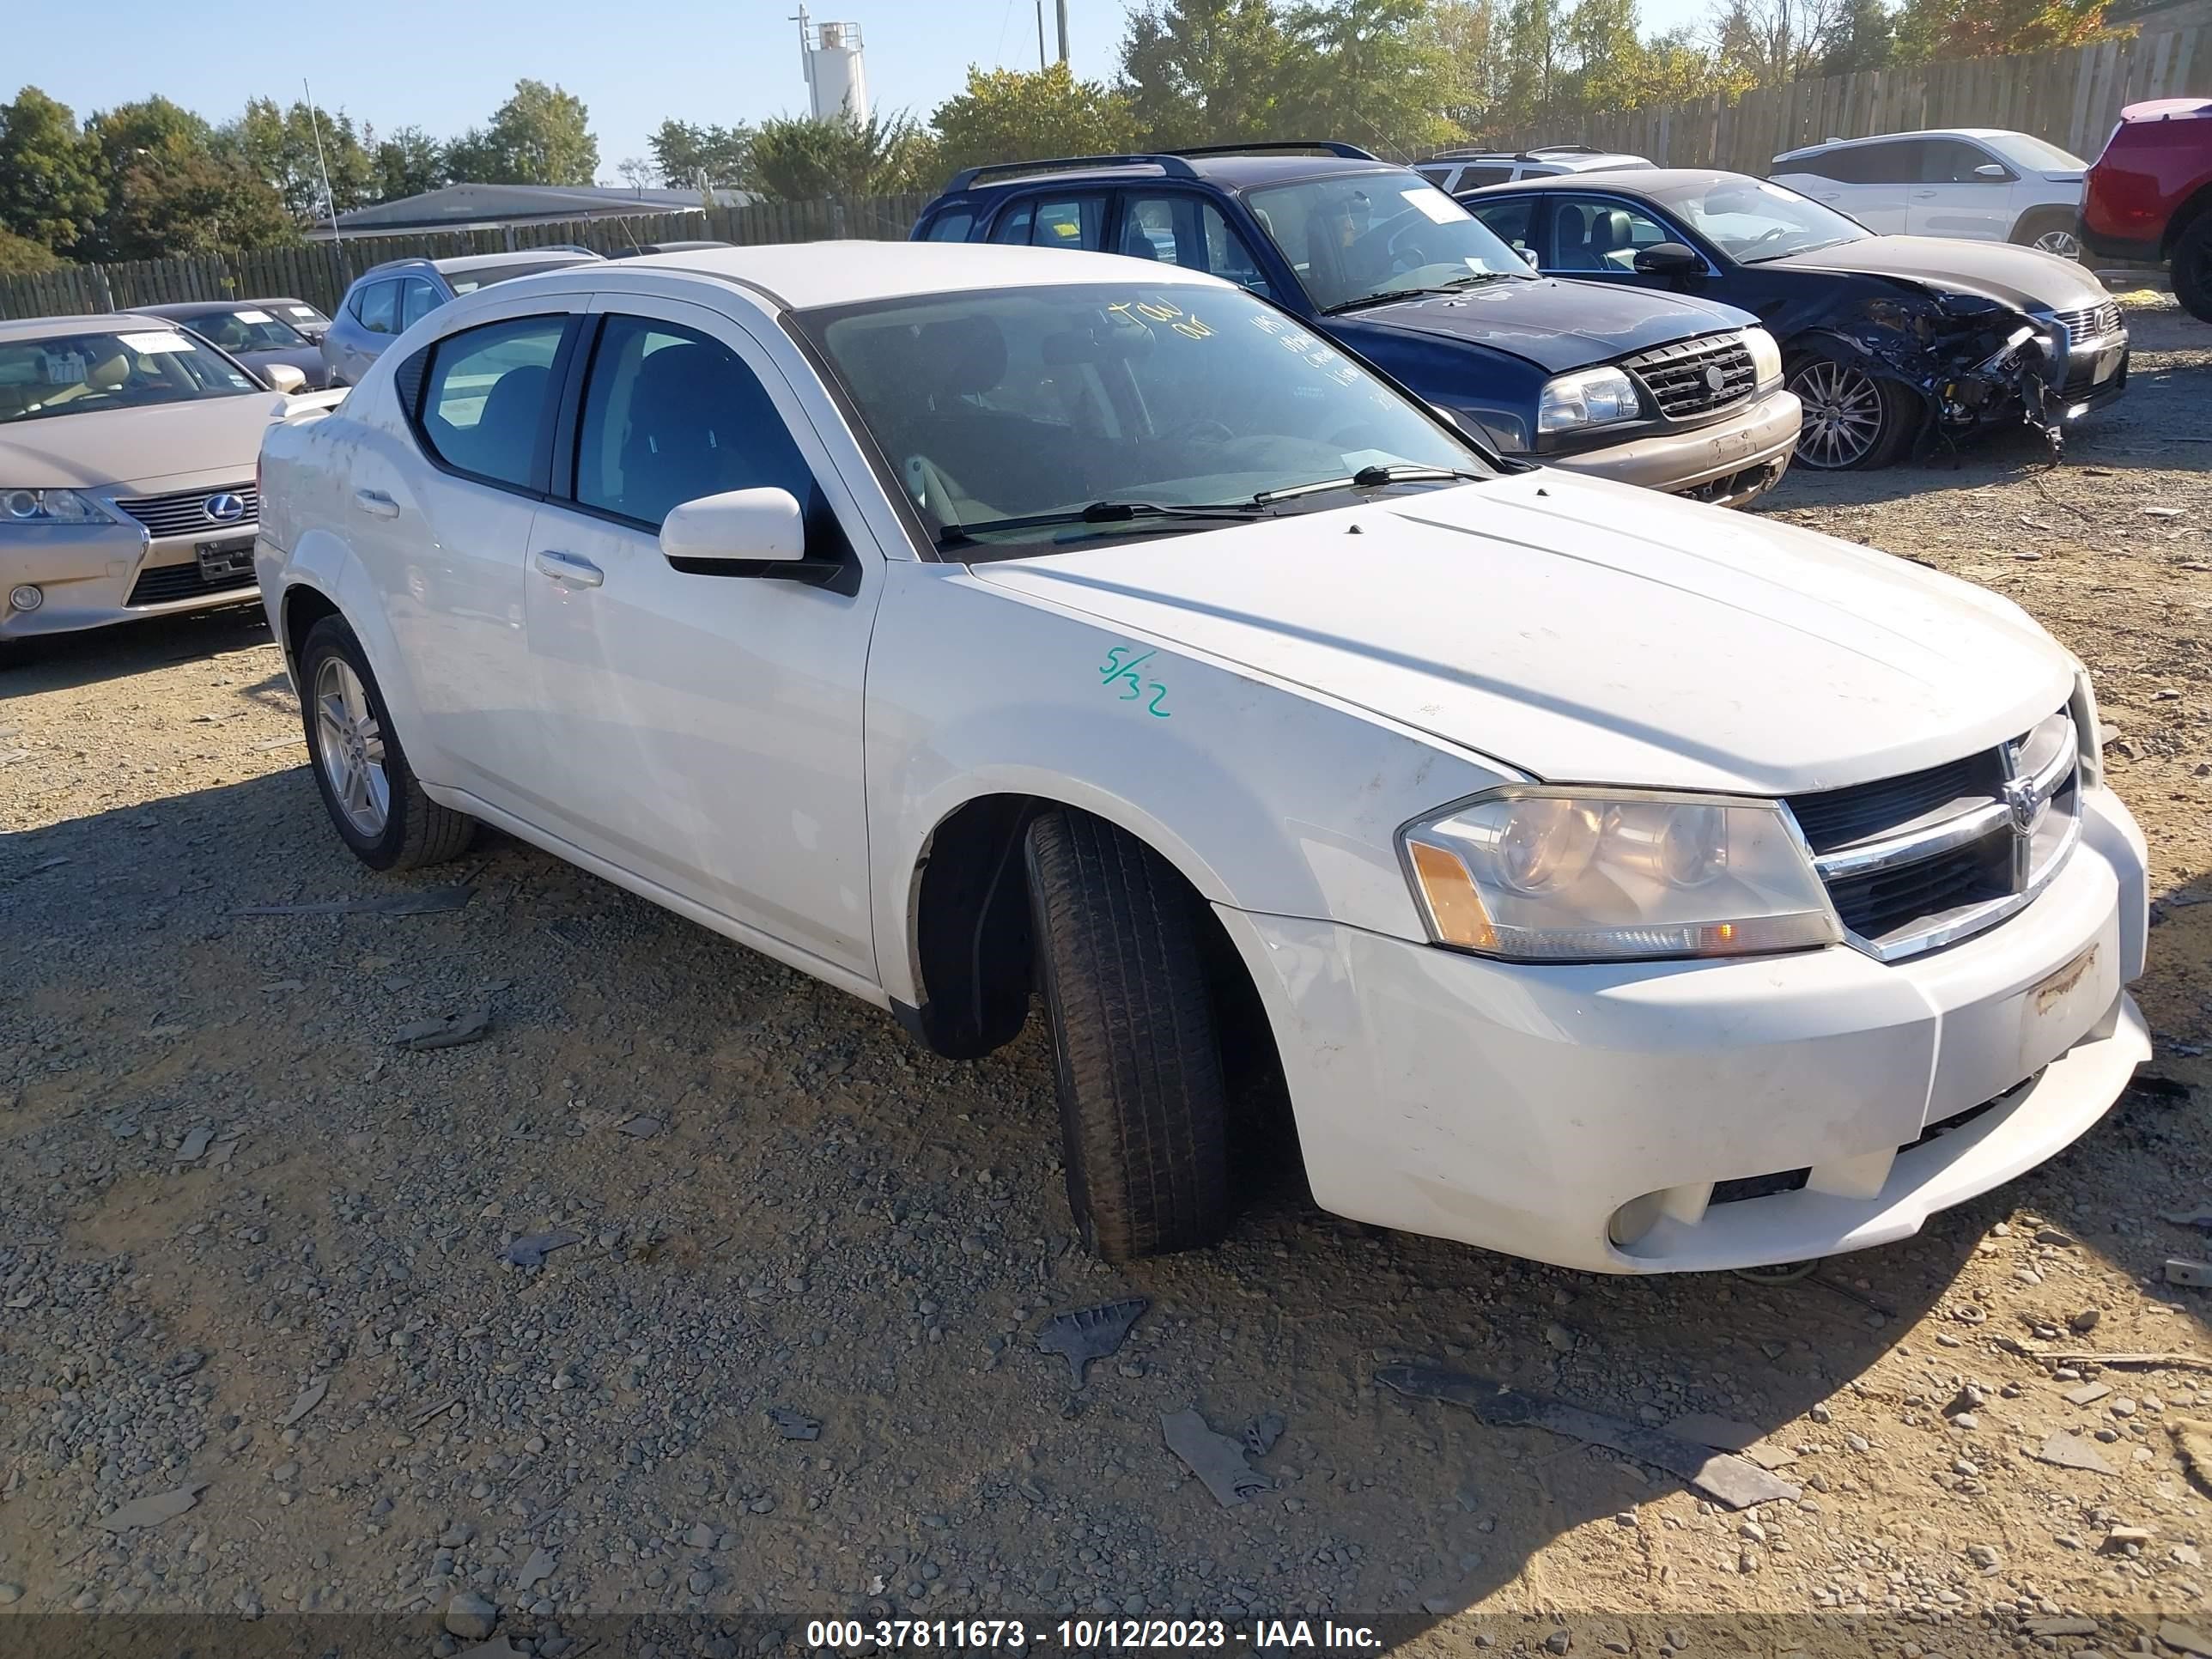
point(1992, 170)
point(1668, 259)
point(1529, 255)
point(740, 526)
point(282, 377)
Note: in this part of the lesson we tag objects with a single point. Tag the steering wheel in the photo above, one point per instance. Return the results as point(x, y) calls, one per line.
point(1765, 236)
point(1202, 430)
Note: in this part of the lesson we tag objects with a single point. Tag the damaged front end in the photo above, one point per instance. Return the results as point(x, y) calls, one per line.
point(1975, 361)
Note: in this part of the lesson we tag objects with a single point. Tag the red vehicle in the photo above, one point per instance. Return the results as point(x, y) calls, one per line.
point(2149, 195)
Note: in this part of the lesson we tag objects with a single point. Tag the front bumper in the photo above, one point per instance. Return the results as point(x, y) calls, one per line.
point(1521, 1108)
point(91, 575)
point(1753, 443)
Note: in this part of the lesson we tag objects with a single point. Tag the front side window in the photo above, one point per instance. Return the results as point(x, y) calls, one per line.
point(1187, 231)
point(1356, 238)
point(1072, 403)
point(671, 415)
point(953, 226)
point(1752, 220)
point(1601, 233)
point(130, 368)
point(1952, 161)
point(377, 307)
point(247, 330)
point(1509, 219)
point(487, 396)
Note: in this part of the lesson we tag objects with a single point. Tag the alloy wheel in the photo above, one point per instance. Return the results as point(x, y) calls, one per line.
point(2063, 243)
point(351, 746)
point(1843, 414)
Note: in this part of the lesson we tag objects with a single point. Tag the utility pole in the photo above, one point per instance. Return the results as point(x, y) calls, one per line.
point(1063, 30)
point(329, 196)
point(1040, 6)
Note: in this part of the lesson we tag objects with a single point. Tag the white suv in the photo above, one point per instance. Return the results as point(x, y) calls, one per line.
point(1979, 183)
point(1457, 170)
point(1622, 882)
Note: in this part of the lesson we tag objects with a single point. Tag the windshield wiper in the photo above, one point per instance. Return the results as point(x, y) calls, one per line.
point(1373, 477)
point(954, 535)
point(1381, 298)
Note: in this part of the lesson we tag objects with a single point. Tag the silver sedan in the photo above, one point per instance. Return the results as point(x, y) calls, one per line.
point(128, 450)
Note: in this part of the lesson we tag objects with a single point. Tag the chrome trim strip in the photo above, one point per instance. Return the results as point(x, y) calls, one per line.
point(1916, 844)
point(1981, 916)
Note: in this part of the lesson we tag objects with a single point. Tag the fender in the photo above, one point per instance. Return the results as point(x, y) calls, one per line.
point(323, 561)
point(1263, 795)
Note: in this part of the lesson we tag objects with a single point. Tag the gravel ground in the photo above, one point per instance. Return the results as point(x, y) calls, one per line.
point(226, 1185)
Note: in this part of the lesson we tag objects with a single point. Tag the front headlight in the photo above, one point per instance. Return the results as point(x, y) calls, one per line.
point(1766, 356)
point(1534, 874)
point(1590, 396)
point(48, 506)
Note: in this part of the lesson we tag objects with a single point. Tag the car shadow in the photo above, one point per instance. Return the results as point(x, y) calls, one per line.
point(802, 1140)
point(58, 662)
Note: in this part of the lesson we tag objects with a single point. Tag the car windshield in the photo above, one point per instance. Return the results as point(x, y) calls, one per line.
point(83, 373)
point(247, 330)
point(306, 316)
point(2031, 153)
point(1363, 237)
point(468, 282)
point(1752, 220)
point(1075, 404)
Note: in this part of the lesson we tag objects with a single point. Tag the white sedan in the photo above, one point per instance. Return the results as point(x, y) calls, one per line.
point(1621, 882)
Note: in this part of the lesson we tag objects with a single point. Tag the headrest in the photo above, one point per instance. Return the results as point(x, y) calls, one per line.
point(962, 354)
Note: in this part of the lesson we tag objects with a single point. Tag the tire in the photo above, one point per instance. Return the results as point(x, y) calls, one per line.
point(2192, 269)
point(2051, 230)
point(1872, 418)
point(1142, 1104)
point(405, 830)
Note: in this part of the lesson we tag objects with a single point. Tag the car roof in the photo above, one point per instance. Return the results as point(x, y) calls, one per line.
point(1891, 138)
point(1576, 157)
point(181, 309)
point(45, 328)
point(802, 275)
point(1628, 180)
point(460, 263)
point(1232, 167)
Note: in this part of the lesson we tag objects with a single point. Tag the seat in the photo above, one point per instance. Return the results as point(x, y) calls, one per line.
point(504, 440)
point(1610, 231)
point(684, 432)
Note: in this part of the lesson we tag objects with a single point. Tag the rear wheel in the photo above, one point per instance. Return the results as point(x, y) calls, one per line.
point(1852, 418)
point(375, 802)
point(1141, 1098)
point(2192, 269)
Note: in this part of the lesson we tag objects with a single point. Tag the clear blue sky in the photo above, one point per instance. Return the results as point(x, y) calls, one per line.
point(446, 65)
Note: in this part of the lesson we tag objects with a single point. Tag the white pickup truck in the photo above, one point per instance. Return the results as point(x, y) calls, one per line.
point(1621, 882)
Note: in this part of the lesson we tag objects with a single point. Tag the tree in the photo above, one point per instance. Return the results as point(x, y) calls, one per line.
point(21, 256)
point(170, 189)
point(1535, 83)
point(2004, 26)
point(1366, 70)
point(1205, 71)
point(1607, 53)
point(1765, 43)
point(797, 159)
point(687, 155)
point(540, 136)
point(50, 190)
point(280, 147)
point(1021, 115)
point(407, 162)
point(1865, 39)
point(1470, 40)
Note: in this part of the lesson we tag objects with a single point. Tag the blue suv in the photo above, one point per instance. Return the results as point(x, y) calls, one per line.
point(1678, 393)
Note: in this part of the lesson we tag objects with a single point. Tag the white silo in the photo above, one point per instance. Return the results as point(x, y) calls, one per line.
point(837, 75)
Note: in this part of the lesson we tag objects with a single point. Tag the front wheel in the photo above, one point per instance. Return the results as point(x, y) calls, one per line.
point(375, 801)
point(2192, 269)
point(1142, 1104)
point(2049, 232)
point(1853, 419)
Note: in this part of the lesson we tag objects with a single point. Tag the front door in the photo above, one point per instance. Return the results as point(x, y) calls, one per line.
point(708, 723)
point(1955, 198)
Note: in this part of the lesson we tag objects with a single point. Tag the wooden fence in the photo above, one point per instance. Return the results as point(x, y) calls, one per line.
point(319, 272)
point(2071, 98)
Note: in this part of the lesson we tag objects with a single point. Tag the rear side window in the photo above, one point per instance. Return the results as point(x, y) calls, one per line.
point(417, 300)
point(1476, 178)
point(951, 226)
point(671, 415)
point(1864, 164)
point(1076, 222)
point(488, 395)
point(375, 305)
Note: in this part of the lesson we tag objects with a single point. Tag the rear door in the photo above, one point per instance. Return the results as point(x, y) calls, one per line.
point(1955, 198)
point(1867, 181)
point(1182, 228)
point(707, 720)
point(1065, 219)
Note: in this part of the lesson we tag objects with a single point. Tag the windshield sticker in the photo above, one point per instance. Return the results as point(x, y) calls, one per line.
point(148, 345)
point(64, 368)
point(251, 316)
point(1428, 199)
point(301, 311)
point(1160, 311)
point(1114, 671)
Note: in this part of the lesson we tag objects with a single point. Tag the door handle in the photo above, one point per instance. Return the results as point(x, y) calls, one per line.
point(1923, 195)
point(567, 568)
point(376, 503)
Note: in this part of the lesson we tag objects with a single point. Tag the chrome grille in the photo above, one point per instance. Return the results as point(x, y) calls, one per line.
point(1695, 377)
point(184, 511)
point(2090, 323)
point(1915, 862)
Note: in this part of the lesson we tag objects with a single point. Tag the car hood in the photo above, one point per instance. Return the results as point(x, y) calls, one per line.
point(139, 450)
point(2019, 276)
point(1577, 629)
point(1556, 324)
